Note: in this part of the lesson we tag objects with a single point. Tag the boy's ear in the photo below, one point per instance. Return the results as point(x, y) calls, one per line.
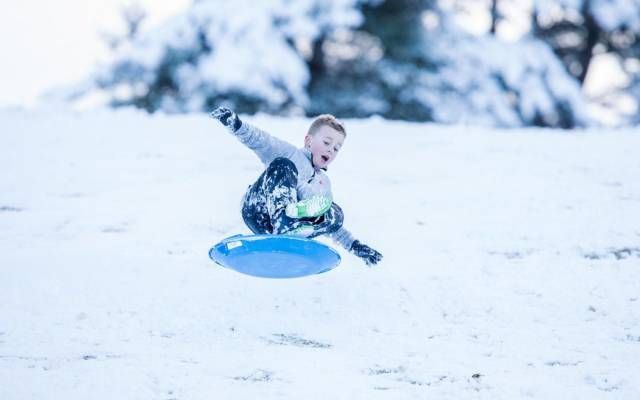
point(307, 141)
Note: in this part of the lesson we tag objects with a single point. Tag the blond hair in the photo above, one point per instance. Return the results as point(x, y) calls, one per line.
point(326, 120)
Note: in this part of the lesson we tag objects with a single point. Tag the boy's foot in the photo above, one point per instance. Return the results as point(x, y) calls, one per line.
point(311, 207)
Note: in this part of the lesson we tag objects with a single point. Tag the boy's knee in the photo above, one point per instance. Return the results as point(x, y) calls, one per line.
point(282, 164)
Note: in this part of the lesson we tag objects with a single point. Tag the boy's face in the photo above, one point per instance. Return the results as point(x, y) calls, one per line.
point(324, 145)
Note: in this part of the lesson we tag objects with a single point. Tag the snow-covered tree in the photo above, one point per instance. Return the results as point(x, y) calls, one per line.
point(576, 28)
point(443, 74)
point(506, 84)
point(579, 30)
point(241, 52)
point(354, 58)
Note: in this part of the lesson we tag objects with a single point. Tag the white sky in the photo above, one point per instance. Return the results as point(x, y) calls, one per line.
point(49, 43)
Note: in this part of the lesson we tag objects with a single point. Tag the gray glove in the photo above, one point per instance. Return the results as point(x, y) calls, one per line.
point(227, 117)
point(369, 255)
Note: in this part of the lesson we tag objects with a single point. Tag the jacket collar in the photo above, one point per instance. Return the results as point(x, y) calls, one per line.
point(307, 153)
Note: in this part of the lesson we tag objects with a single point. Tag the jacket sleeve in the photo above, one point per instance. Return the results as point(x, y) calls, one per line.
point(343, 237)
point(266, 147)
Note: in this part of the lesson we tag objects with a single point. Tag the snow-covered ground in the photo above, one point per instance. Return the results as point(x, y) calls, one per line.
point(511, 269)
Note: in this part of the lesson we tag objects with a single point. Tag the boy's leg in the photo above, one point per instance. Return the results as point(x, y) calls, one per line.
point(279, 185)
point(254, 210)
point(264, 204)
point(327, 223)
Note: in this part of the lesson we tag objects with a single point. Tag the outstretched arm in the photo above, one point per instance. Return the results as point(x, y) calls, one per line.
point(359, 249)
point(263, 144)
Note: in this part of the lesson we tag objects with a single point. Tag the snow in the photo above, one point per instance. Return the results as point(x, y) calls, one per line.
point(511, 264)
point(616, 14)
point(609, 14)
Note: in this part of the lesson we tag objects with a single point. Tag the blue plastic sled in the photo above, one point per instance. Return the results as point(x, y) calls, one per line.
point(274, 256)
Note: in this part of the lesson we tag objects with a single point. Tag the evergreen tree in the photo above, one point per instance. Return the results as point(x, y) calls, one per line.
point(352, 58)
point(578, 30)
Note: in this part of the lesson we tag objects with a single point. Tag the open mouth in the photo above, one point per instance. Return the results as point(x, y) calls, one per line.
point(324, 158)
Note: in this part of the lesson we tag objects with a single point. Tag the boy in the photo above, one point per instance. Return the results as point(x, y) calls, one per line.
point(293, 195)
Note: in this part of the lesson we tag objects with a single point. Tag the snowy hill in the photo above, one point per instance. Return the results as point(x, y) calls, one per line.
point(511, 269)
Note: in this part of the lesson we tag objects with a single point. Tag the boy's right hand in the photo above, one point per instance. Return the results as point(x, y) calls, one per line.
point(227, 117)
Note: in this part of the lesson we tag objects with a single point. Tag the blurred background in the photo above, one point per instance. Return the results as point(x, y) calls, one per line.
point(502, 63)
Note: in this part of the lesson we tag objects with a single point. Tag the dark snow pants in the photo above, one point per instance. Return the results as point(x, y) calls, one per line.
point(263, 208)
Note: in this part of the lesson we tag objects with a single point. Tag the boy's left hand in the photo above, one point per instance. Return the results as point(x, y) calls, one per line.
point(369, 255)
point(227, 117)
